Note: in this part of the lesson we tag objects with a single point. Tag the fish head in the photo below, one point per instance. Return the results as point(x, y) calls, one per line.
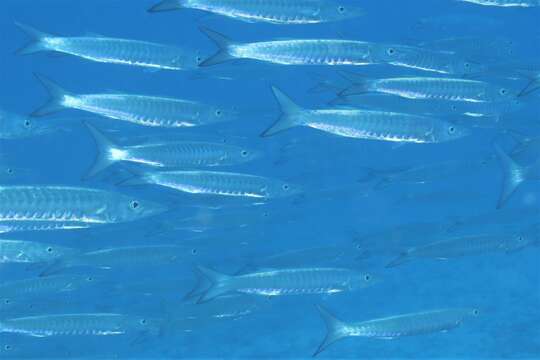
point(216, 114)
point(363, 280)
point(189, 61)
point(277, 189)
point(242, 155)
point(52, 252)
point(448, 131)
point(131, 209)
point(339, 11)
point(464, 67)
point(14, 126)
point(392, 54)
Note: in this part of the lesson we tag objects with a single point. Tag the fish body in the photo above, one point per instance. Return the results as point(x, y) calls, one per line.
point(75, 325)
point(178, 154)
point(366, 124)
point(300, 281)
point(28, 288)
point(505, 3)
point(217, 183)
point(113, 50)
point(19, 251)
point(142, 110)
point(392, 327)
point(424, 88)
point(64, 205)
point(280, 12)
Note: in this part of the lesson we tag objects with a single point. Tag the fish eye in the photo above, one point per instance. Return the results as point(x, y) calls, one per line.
point(391, 51)
point(134, 204)
point(503, 91)
point(367, 277)
point(193, 251)
point(476, 312)
point(341, 9)
point(49, 249)
point(199, 59)
point(218, 112)
point(143, 321)
point(451, 130)
point(9, 171)
point(27, 123)
point(7, 347)
point(244, 153)
point(467, 65)
point(7, 301)
point(286, 187)
point(89, 278)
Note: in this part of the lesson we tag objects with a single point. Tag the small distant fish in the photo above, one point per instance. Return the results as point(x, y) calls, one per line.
point(64, 207)
point(505, 3)
point(112, 50)
point(137, 109)
point(392, 327)
point(130, 256)
point(427, 88)
point(365, 124)
point(514, 175)
point(177, 154)
point(93, 324)
point(13, 127)
point(269, 11)
point(469, 245)
point(19, 251)
point(217, 183)
point(300, 281)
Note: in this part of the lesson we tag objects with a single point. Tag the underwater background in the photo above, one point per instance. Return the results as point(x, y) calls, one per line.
point(342, 214)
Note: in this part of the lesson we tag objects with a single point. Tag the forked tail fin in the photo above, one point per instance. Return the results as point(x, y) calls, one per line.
point(289, 112)
point(36, 43)
point(220, 285)
point(104, 148)
point(335, 330)
point(166, 5)
point(401, 259)
point(55, 102)
point(222, 42)
point(513, 175)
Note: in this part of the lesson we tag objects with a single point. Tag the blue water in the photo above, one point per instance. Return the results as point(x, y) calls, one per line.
point(337, 206)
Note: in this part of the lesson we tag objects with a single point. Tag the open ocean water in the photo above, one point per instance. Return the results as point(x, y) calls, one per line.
point(403, 190)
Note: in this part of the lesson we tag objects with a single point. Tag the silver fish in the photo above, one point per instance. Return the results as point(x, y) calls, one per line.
point(38, 287)
point(19, 251)
point(66, 205)
point(178, 154)
point(137, 109)
point(392, 327)
point(130, 256)
point(13, 226)
point(112, 50)
point(13, 127)
point(365, 124)
point(282, 12)
point(217, 183)
point(428, 88)
point(283, 282)
point(505, 3)
point(459, 246)
point(93, 324)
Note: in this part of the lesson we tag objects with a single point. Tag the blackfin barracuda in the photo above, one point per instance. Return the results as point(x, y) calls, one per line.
point(20, 251)
point(92, 324)
point(167, 154)
point(300, 281)
point(392, 327)
point(137, 109)
point(69, 206)
point(112, 50)
point(282, 12)
point(365, 124)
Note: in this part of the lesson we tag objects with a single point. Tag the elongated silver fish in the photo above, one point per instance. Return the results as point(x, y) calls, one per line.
point(93, 324)
point(137, 109)
point(282, 12)
point(468, 245)
point(28, 288)
point(130, 256)
point(365, 124)
point(426, 88)
point(299, 281)
point(392, 327)
point(13, 127)
point(112, 50)
point(505, 3)
point(217, 183)
point(64, 205)
point(19, 251)
point(178, 154)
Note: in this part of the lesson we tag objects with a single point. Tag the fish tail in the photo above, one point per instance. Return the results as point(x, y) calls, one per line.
point(36, 43)
point(137, 178)
point(513, 175)
point(532, 86)
point(220, 284)
point(166, 5)
point(289, 114)
point(401, 259)
point(104, 147)
point(336, 330)
point(56, 93)
point(223, 43)
point(358, 84)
